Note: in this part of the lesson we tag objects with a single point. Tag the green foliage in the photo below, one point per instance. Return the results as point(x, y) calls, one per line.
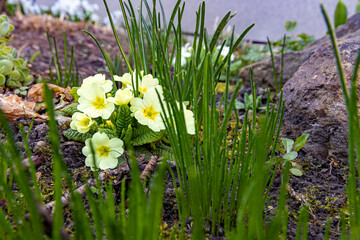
point(123, 119)
point(74, 135)
point(340, 15)
point(143, 135)
point(290, 26)
point(13, 71)
point(290, 153)
point(109, 132)
point(248, 103)
point(67, 75)
point(69, 110)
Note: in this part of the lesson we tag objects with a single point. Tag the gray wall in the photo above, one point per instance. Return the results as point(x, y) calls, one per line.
point(269, 16)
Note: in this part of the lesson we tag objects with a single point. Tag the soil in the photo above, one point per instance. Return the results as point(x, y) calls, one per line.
point(322, 187)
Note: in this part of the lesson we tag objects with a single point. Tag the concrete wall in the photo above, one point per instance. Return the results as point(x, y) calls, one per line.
point(269, 16)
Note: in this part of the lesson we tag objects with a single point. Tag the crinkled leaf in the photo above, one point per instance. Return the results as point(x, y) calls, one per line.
point(110, 133)
point(123, 119)
point(69, 110)
point(296, 172)
point(143, 135)
point(290, 156)
point(288, 144)
point(74, 135)
point(164, 151)
point(300, 142)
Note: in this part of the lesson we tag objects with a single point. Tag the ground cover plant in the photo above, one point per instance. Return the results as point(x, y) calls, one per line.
point(162, 108)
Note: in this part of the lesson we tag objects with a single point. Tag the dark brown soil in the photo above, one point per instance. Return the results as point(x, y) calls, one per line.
point(322, 187)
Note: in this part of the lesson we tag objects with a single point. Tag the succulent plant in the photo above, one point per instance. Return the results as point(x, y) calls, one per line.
point(13, 71)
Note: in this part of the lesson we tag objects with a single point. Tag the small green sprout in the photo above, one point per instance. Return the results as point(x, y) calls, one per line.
point(291, 152)
point(21, 91)
point(248, 103)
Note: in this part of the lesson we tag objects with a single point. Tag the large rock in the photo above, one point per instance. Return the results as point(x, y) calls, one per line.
point(263, 72)
point(314, 100)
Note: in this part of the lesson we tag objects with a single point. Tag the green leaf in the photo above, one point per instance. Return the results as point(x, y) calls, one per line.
point(300, 142)
point(340, 15)
point(69, 110)
point(290, 26)
point(296, 172)
point(110, 133)
point(123, 119)
point(288, 144)
point(164, 151)
point(143, 135)
point(239, 105)
point(73, 92)
point(74, 135)
point(290, 156)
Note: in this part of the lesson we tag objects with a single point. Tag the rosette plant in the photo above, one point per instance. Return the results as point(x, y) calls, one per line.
point(108, 116)
point(13, 71)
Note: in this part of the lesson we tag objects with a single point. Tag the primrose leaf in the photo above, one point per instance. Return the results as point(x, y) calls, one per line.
point(296, 172)
point(164, 151)
point(300, 142)
point(288, 144)
point(123, 119)
point(110, 133)
point(74, 135)
point(143, 135)
point(69, 110)
point(290, 156)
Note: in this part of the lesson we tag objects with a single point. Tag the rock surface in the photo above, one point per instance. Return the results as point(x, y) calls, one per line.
point(314, 100)
point(263, 72)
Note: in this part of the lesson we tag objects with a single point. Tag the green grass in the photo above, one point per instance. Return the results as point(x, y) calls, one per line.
point(223, 188)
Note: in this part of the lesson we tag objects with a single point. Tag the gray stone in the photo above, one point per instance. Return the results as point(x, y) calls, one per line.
point(314, 100)
point(263, 72)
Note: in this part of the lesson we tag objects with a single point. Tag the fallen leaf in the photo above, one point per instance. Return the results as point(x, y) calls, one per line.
point(13, 107)
point(36, 92)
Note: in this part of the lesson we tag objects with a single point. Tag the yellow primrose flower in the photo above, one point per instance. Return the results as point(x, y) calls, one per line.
point(188, 116)
point(100, 79)
point(122, 97)
point(126, 79)
point(147, 111)
point(106, 151)
point(147, 82)
point(93, 102)
point(80, 122)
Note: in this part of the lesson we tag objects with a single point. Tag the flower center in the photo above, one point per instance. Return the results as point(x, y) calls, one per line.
point(103, 151)
point(143, 90)
point(85, 122)
point(99, 103)
point(150, 112)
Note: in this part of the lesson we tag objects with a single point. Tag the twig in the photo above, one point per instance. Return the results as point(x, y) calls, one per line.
point(149, 168)
point(301, 198)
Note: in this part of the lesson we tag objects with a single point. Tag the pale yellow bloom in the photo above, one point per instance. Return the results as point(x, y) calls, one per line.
point(127, 79)
point(80, 122)
point(94, 103)
point(122, 97)
point(147, 111)
point(100, 79)
point(188, 116)
point(106, 151)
